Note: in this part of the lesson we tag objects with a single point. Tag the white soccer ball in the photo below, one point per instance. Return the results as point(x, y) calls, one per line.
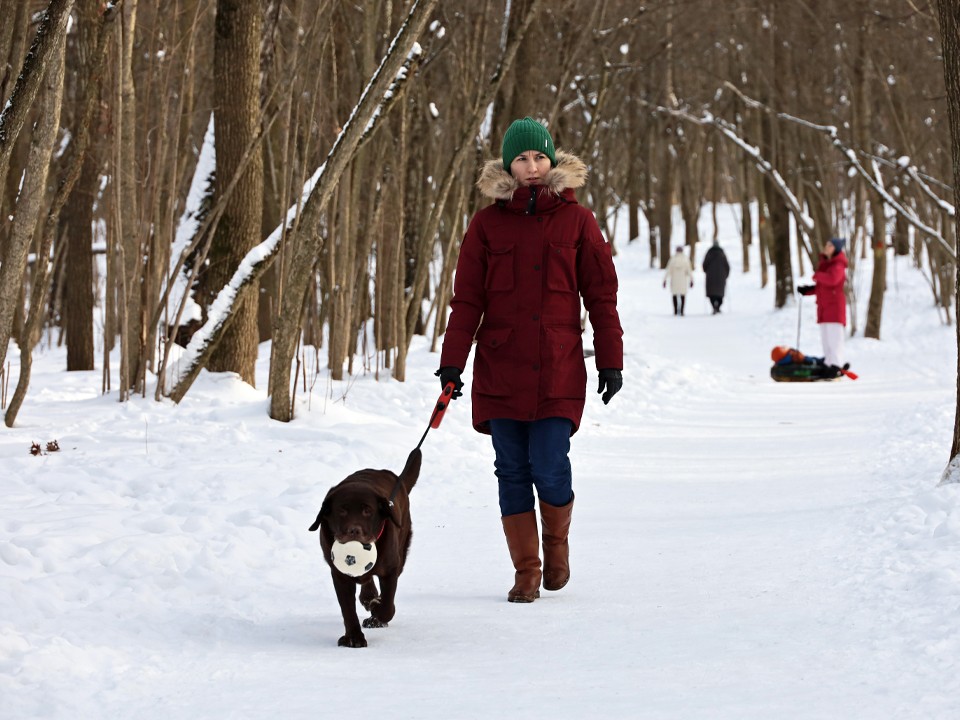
point(353, 558)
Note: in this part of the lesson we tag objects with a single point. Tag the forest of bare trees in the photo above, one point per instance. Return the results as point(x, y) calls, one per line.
point(348, 136)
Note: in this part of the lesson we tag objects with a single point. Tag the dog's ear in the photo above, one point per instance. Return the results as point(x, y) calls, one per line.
point(324, 511)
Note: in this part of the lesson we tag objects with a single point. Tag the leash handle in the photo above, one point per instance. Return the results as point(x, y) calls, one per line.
point(443, 402)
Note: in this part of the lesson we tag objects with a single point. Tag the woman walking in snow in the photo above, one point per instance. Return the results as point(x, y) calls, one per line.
point(680, 275)
point(524, 265)
point(717, 269)
point(828, 279)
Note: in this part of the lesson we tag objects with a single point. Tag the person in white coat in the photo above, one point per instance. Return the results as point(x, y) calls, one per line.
point(679, 273)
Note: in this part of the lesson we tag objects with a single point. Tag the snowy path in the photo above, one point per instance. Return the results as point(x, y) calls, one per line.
point(741, 548)
point(755, 514)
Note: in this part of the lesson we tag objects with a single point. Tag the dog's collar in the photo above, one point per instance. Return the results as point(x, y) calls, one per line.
point(382, 528)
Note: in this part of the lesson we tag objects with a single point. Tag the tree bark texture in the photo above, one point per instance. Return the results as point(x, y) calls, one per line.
point(949, 14)
point(77, 218)
point(665, 186)
point(13, 39)
point(31, 200)
point(14, 115)
point(878, 284)
point(126, 173)
point(76, 154)
point(237, 122)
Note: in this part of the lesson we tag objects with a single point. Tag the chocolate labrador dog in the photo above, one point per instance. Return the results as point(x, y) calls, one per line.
point(370, 506)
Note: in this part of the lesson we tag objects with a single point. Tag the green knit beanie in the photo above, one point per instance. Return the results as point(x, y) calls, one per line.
point(523, 135)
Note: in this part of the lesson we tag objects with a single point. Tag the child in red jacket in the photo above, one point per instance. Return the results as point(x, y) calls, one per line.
point(831, 302)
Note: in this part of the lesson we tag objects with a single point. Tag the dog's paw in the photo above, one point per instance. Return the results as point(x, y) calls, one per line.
point(369, 603)
point(357, 641)
point(372, 622)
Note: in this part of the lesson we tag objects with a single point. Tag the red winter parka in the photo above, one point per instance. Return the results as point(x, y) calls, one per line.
point(829, 278)
point(525, 262)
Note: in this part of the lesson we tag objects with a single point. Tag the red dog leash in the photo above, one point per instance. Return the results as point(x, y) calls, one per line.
point(443, 402)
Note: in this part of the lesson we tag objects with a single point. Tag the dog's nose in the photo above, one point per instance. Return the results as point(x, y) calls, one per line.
point(354, 531)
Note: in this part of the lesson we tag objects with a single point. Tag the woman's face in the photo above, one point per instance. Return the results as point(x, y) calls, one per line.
point(530, 167)
point(828, 248)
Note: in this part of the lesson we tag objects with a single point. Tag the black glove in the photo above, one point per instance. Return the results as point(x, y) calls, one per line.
point(806, 289)
point(450, 374)
point(613, 380)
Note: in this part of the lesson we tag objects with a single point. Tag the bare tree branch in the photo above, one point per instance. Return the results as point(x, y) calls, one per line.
point(15, 112)
point(382, 88)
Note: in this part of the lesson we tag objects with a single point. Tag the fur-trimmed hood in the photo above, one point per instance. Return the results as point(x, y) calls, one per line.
point(569, 174)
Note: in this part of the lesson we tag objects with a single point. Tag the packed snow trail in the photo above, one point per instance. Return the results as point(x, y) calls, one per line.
point(740, 548)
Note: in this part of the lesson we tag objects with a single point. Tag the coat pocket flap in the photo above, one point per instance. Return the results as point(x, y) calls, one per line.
point(493, 337)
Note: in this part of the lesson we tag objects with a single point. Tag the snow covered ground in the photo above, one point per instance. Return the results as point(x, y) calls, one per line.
point(741, 548)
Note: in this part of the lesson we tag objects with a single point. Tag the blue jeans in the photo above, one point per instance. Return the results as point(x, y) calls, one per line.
point(532, 454)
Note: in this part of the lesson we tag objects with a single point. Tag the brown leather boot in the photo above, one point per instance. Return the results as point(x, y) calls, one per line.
point(556, 549)
point(524, 544)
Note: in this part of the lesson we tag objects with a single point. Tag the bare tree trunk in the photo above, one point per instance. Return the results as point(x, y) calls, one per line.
point(237, 118)
point(668, 158)
point(764, 234)
point(174, 73)
point(633, 200)
point(634, 127)
point(14, 34)
point(862, 114)
point(878, 284)
point(14, 114)
point(77, 218)
point(77, 151)
point(690, 209)
point(949, 15)
point(131, 343)
point(650, 145)
point(746, 229)
point(773, 142)
point(758, 188)
point(664, 214)
point(780, 248)
point(31, 200)
point(746, 216)
point(715, 190)
point(508, 100)
point(276, 155)
point(690, 149)
point(948, 273)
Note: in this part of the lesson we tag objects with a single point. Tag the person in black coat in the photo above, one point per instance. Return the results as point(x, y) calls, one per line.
point(717, 270)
